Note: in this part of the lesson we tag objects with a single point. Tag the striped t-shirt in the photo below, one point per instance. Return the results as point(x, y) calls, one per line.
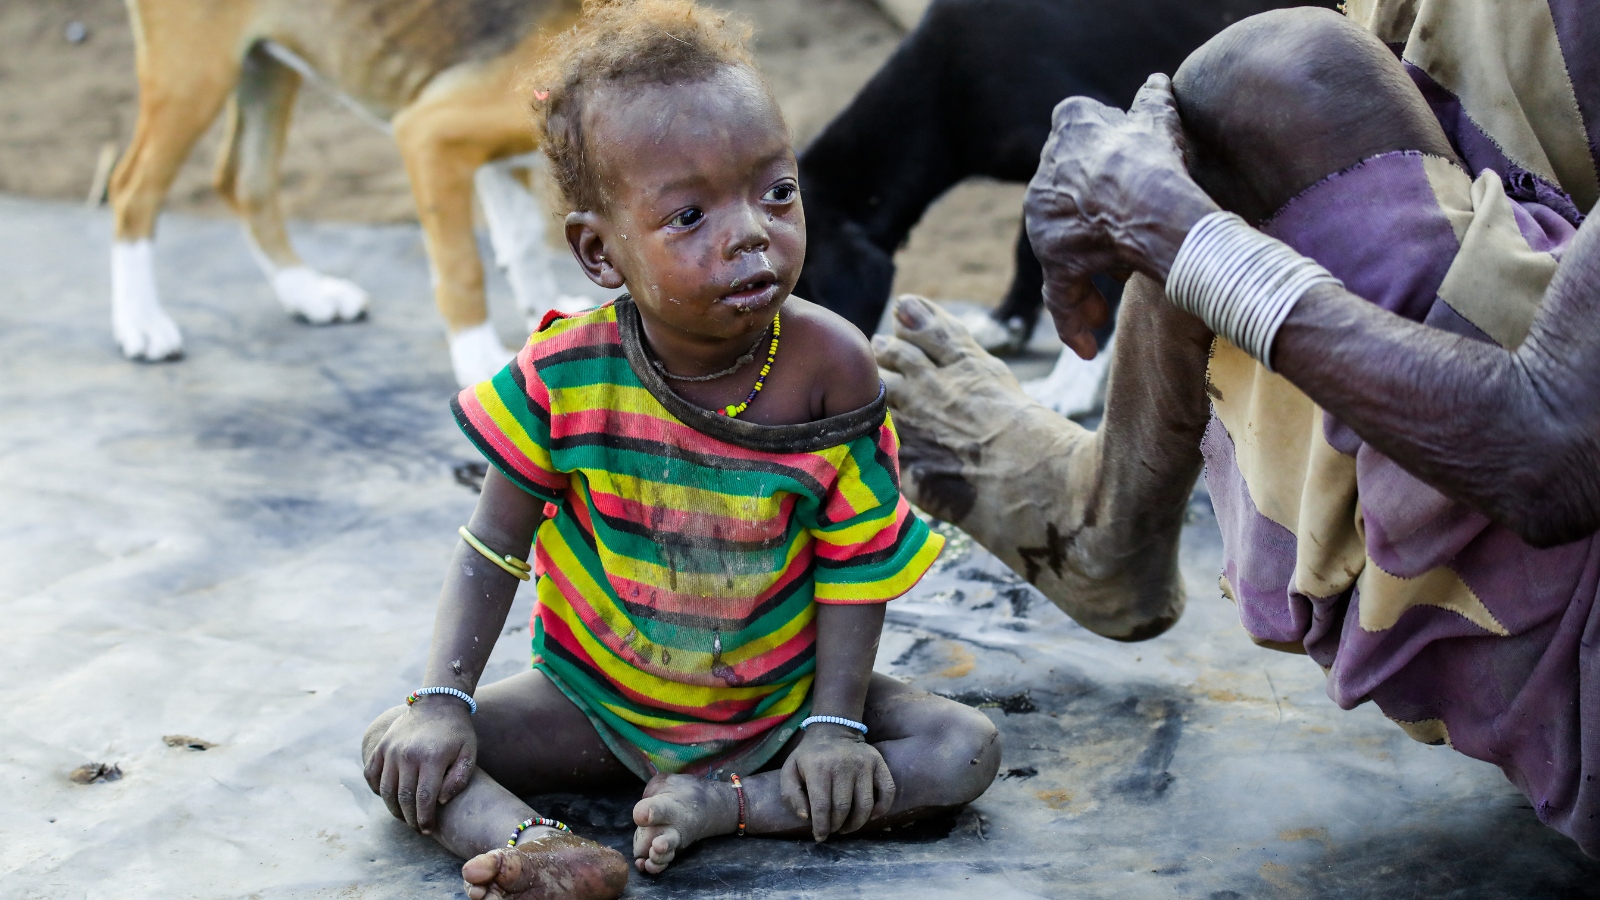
point(678, 572)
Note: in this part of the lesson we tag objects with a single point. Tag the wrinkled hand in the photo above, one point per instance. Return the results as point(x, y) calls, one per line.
point(1112, 195)
point(424, 760)
point(836, 780)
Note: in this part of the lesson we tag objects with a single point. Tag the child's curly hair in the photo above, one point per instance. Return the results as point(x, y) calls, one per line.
point(622, 42)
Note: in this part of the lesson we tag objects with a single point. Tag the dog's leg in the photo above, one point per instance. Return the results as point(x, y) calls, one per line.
point(517, 233)
point(247, 177)
point(185, 73)
point(444, 138)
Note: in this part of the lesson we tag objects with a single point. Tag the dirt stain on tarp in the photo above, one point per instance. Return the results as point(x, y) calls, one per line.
point(961, 659)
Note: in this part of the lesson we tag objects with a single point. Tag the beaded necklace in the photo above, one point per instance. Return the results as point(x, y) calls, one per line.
point(738, 364)
point(733, 410)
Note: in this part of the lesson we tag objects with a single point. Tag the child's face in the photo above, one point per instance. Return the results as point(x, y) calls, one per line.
point(704, 223)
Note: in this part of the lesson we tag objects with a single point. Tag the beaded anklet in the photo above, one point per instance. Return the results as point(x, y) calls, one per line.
point(738, 788)
point(733, 410)
point(511, 564)
point(536, 820)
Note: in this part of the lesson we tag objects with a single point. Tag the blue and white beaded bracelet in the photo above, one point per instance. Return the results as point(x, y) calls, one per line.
point(833, 720)
point(419, 693)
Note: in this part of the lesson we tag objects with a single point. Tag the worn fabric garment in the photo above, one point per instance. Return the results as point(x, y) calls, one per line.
point(679, 570)
point(1459, 631)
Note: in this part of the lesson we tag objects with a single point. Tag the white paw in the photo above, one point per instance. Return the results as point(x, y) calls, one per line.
point(318, 298)
point(1075, 387)
point(142, 328)
point(991, 335)
point(477, 355)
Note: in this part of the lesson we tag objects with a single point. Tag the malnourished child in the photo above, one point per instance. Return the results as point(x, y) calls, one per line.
point(709, 480)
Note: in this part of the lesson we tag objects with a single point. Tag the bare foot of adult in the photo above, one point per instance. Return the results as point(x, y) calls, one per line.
point(676, 811)
point(546, 867)
point(1092, 519)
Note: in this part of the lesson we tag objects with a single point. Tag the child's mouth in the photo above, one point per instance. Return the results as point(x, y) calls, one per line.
point(753, 295)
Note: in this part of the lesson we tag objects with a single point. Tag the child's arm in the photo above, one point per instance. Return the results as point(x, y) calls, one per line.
point(427, 755)
point(835, 778)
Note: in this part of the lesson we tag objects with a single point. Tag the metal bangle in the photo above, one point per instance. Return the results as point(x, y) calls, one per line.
point(511, 564)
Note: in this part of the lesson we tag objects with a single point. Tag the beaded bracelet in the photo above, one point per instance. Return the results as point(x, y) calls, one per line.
point(833, 720)
point(511, 564)
point(419, 693)
point(536, 820)
point(738, 788)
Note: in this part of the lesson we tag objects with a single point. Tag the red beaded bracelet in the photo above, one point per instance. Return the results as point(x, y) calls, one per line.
point(738, 788)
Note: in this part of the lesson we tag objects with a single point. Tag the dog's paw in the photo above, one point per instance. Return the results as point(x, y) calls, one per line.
point(142, 328)
point(317, 298)
point(477, 355)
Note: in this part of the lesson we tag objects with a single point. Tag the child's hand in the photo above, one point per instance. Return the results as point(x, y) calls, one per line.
point(836, 780)
point(424, 760)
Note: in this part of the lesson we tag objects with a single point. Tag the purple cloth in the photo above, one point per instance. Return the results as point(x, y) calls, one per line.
point(1529, 701)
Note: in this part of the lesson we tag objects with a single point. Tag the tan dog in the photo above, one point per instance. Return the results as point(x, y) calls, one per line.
point(442, 74)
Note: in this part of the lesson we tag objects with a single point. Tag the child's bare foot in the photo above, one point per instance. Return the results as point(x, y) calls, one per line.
point(546, 867)
point(676, 811)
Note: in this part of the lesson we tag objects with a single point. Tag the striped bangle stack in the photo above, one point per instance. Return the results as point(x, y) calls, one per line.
point(1241, 282)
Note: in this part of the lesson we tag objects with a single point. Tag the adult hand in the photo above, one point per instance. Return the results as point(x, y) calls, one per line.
point(836, 780)
point(1112, 195)
point(424, 760)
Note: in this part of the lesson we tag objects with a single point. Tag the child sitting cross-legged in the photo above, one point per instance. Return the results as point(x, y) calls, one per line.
point(708, 479)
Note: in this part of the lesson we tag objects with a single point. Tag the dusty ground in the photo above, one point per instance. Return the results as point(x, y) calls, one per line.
point(61, 103)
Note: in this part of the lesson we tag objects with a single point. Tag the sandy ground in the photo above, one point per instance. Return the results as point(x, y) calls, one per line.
point(214, 573)
point(61, 103)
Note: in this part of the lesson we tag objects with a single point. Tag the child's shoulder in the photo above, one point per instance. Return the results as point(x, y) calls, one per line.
point(559, 331)
point(844, 373)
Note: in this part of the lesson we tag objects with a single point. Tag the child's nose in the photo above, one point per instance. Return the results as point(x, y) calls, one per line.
point(748, 232)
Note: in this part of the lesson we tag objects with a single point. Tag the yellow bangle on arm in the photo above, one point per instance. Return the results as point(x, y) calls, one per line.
point(510, 563)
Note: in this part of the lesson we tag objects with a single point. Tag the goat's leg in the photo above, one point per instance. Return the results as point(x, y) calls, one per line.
point(248, 179)
point(444, 139)
point(517, 223)
point(185, 74)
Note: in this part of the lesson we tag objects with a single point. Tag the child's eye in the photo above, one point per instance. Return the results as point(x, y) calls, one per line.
point(782, 193)
point(686, 218)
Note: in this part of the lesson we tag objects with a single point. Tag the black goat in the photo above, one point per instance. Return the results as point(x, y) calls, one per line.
point(969, 92)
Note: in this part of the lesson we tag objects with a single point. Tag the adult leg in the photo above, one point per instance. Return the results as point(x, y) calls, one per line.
point(247, 178)
point(531, 739)
point(1091, 518)
point(940, 753)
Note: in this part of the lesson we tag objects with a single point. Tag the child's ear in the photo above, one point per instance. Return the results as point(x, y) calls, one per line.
point(589, 248)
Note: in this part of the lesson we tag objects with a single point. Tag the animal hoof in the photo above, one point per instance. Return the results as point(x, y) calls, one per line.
point(477, 354)
point(999, 338)
point(1075, 387)
point(317, 298)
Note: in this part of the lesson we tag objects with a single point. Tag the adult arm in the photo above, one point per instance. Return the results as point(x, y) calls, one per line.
point(1514, 435)
point(428, 754)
